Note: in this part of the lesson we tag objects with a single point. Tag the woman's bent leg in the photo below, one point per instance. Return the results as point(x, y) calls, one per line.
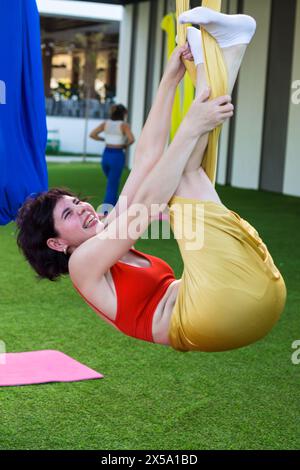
point(194, 182)
point(233, 57)
point(197, 185)
point(231, 292)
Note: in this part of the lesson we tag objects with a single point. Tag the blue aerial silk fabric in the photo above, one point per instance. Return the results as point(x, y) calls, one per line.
point(23, 132)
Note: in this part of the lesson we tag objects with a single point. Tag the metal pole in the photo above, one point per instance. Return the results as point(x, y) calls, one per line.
point(86, 125)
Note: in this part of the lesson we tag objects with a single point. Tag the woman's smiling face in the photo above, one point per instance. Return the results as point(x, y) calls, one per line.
point(75, 221)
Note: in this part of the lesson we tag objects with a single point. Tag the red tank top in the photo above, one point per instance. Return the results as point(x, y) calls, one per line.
point(138, 290)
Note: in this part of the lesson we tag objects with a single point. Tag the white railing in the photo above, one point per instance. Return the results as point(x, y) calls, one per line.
point(77, 108)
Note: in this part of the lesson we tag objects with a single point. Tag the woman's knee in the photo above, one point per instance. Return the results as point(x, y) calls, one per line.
point(197, 185)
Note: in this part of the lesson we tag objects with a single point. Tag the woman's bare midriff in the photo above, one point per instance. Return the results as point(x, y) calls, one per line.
point(104, 299)
point(111, 146)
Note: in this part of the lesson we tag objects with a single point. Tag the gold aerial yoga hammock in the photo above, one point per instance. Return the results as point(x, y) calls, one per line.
point(231, 293)
point(179, 110)
point(216, 77)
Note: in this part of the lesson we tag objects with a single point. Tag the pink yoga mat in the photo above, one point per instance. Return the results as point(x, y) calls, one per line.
point(41, 367)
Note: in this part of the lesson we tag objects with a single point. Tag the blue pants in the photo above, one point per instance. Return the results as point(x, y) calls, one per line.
point(113, 162)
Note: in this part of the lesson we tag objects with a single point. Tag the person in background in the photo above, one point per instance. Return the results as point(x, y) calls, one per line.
point(117, 137)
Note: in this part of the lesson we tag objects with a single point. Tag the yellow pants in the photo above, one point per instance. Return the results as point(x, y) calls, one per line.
point(231, 292)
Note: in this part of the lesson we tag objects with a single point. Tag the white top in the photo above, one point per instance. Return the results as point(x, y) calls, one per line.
point(113, 133)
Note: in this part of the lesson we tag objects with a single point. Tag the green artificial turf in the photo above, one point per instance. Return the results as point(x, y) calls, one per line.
point(152, 397)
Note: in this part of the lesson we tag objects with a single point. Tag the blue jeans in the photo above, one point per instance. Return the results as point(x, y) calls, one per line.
point(113, 162)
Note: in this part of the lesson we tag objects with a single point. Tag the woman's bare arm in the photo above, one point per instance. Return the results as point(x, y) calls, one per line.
point(152, 142)
point(203, 116)
point(94, 134)
point(91, 260)
point(155, 133)
point(144, 162)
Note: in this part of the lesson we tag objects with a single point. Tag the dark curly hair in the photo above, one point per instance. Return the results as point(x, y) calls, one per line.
point(35, 225)
point(117, 112)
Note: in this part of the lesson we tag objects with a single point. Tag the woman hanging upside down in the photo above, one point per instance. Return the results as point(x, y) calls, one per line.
point(230, 293)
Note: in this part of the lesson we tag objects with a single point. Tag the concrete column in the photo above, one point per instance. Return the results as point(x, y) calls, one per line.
point(159, 49)
point(47, 65)
point(277, 95)
point(124, 57)
point(90, 68)
point(249, 113)
point(75, 70)
point(111, 72)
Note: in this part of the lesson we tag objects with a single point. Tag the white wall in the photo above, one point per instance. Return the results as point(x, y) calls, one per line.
point(251, 100)
point(124, 56)
point(71, 130)
point(81, 10)
point(229, 7)
point(71, 134)
point(292, 161)
point(249, 112)
point(139, 72)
